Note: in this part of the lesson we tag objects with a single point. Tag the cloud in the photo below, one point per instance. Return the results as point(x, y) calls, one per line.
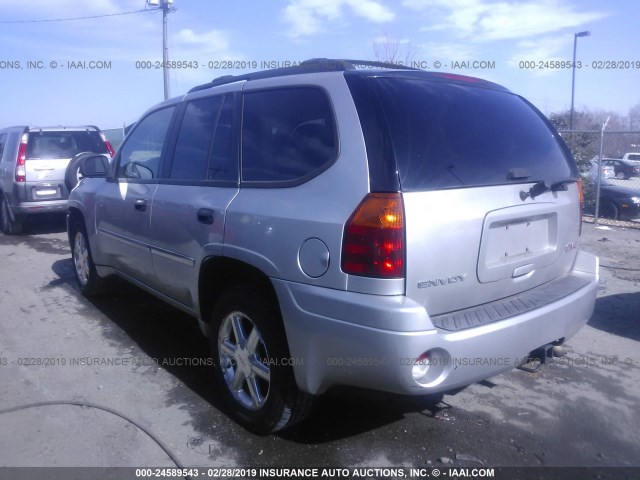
point(547, 49)
point(211, 41)
point(309, 17)
point(446, 52)
point(491, 20)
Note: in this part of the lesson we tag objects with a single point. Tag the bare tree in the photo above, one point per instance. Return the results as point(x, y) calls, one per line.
point(634, 118)
point(584, 140)
point(392, 49)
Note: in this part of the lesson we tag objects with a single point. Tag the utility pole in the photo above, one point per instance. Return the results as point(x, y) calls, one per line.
point(166, 6)
point(165, 46)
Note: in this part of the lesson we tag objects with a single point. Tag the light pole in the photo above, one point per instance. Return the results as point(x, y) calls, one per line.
point(573, 75)
point(166, 6)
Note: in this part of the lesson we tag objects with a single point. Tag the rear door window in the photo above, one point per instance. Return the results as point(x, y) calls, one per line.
point(3, 140)
point(191, 156)
point(204, 148)
point(447, 135)
point(288, 135)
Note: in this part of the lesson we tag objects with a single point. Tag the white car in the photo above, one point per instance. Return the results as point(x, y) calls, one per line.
point(607, 171)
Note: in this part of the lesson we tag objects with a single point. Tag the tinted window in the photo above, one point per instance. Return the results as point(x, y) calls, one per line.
point(450, 135)
point(191, 155)
point(63, 144)
point(223, 165)
point(140, 154)
point(3, 140)
point(10, 142)
point(287, 134)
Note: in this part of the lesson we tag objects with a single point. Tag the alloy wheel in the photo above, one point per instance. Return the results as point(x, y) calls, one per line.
point(244, 361)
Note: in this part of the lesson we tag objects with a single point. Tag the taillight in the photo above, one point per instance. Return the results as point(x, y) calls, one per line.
point(581, 199)
point(112, 152)
point(373, 240)
point(21, 169)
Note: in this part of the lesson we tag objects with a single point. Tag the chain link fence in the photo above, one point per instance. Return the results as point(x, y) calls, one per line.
point(616, 176)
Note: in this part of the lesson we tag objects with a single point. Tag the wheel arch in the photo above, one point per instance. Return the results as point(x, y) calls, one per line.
point(73, 215)
point(218, 274)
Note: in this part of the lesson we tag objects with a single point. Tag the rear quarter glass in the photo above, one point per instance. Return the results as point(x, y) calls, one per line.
point(450, 135)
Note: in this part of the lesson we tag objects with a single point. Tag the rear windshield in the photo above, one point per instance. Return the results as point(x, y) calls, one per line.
point(450, 135)
point(63, 144)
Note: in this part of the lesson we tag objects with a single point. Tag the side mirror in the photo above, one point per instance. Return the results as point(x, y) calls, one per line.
point(94, 166)
point(137, 170)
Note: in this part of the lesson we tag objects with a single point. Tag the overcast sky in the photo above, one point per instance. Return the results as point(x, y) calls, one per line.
point(497, 35)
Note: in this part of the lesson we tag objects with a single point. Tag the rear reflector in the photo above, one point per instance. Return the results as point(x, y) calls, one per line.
point(21, 169)
point(373, 240)
point(581, 199)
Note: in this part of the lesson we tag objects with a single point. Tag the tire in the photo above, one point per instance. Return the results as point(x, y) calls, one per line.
point(247, 343)
point(609, 210)
point(8, 226)
point(89, 282)
point(72, 174)
point(620, 176)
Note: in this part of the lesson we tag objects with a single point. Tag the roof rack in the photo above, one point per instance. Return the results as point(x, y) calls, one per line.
point(308, 66)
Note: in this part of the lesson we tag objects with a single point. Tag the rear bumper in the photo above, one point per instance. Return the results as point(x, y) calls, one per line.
point(370, 341)
point(26, 209)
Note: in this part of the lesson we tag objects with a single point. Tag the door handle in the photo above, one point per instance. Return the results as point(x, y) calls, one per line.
point(140, 205)
point(206, 216)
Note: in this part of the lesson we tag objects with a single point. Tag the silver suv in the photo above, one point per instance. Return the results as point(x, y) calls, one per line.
point(34, 173)
point(329, 224)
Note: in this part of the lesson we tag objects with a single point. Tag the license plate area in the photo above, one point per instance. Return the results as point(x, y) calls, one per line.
point(46, 192)
point(512, 238)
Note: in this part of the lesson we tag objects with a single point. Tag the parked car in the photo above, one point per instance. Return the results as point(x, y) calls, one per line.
point(623, 169)
point(33, 164)
point(631, 156)
point(592, 171)
point(616, 202)
point(329, 225)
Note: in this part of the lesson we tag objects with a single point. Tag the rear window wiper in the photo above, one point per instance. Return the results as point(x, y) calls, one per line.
point(547, 186)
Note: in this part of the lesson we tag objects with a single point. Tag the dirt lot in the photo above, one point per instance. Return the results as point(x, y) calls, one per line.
point(582, 410)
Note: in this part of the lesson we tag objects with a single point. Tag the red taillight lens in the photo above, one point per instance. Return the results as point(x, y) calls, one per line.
point(581, 199)
point(21, 168)
point(373, 240)
point(112, 152)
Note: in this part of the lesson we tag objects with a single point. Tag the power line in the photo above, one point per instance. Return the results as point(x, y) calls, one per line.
point(76, 18)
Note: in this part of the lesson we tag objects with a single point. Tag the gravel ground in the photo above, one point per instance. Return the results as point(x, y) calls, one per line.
point(581, 410)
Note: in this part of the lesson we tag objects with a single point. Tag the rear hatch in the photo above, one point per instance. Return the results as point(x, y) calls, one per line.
point(490, 197)
point(49, 151)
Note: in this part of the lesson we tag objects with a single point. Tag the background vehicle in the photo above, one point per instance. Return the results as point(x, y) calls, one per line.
point(631, 156)
point(616, 202)
point(385, 229)
point(591, 171)
point(33, 165)
point(623, 169)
